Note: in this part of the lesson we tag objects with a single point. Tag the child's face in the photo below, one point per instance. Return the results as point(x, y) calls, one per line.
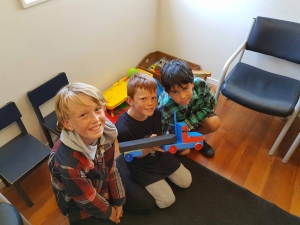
point(143, 104)
point(87, 120)
point(182, 95)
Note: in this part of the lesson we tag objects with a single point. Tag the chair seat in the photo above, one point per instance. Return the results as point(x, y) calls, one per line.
point(50, 123)
point(261, 91)
point(15, 163)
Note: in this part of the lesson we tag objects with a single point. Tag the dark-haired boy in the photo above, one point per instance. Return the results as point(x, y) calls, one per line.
point(191, 98)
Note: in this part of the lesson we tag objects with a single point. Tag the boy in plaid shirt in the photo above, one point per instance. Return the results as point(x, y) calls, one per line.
point(85, 181)
point(192, 100)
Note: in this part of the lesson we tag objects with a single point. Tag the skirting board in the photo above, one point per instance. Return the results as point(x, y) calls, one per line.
point(212, 81)
point(2, 185)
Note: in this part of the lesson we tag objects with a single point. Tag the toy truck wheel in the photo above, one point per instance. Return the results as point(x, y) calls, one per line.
point(128, 157)
point(173, 149)
point(198, 146)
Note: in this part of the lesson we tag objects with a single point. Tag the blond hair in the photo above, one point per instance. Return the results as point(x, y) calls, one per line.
point(140, 80)
point(69, 93)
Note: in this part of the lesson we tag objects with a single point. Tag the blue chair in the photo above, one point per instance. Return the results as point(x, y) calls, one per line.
point(21, 155)
point(41, 95)
point(260, 90)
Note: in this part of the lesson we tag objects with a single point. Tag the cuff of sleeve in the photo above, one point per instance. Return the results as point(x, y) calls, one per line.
point(108, 213)
point(119, 202)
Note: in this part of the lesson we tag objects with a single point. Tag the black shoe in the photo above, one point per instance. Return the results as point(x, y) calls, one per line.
point(207, 150)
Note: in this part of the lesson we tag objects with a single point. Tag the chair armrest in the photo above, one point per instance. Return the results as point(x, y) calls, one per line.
point(226, 66)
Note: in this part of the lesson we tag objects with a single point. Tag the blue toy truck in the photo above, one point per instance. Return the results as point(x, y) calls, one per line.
point(182, 139)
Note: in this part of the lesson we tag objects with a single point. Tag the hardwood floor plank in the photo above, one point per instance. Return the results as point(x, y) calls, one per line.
point(55, 218)
point(232, 159)
point(254, 140)
point(221, 153)
point(228, 120)
point(288, 173)
point(44, 212)
point(294, 208)
point(284, 184)
point(241, 171)
point(269, 179)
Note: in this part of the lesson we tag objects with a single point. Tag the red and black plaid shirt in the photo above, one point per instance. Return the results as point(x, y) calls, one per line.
point(85, 188)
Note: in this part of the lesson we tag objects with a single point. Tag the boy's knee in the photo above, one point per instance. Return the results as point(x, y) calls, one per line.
point(213, 123)
point(166, 202)
point(187, 180)
point(182, 177)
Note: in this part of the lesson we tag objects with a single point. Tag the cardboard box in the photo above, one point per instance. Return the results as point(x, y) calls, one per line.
point(154, 61)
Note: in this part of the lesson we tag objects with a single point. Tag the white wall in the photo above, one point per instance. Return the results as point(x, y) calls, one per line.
point(93, 41)
point(208, 32)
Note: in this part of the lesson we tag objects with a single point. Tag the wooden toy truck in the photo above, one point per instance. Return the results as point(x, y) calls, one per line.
point(182, 139)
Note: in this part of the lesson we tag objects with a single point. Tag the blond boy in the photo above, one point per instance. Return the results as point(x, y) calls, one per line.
point(85, 181)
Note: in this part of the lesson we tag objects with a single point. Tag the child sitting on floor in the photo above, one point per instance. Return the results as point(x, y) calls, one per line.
point(192, 100)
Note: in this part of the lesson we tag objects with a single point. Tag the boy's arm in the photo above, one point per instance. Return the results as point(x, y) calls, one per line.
point(203, 105)
point(115, 187)
point(164, 123)
point(80, 189)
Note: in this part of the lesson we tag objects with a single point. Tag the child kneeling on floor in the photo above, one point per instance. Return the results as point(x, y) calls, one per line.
point(143, 120)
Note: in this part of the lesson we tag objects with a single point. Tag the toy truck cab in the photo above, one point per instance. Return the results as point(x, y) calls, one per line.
point(185, 139)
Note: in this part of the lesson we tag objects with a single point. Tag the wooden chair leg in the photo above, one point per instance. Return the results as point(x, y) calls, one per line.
point(48, 137)
point(23, 194)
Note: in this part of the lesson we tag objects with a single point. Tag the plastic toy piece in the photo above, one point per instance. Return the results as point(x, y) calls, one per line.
point(172, 148)
point(182, 139)
point(129, 155)
point(117, 112)
point(117, 94)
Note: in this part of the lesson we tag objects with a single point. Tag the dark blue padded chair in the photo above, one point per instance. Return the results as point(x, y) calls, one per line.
point(10, 215)
point(21, 155)
point(260, 90)
point(41, 95)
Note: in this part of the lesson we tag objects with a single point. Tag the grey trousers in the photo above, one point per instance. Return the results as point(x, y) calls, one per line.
point(161, 190)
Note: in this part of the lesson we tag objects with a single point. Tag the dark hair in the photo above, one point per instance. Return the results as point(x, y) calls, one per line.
point(176, 72)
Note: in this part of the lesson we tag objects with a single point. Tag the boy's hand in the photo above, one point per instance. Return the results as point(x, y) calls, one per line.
point(156, 148)
point(113, 217)
point(119, 211)
point(147, 151)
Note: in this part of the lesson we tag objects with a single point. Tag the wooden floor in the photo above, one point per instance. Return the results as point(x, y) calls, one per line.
point(242, 144)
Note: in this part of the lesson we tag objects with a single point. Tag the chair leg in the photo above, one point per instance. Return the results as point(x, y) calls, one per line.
point(292, 149)
point(285, 129)
point(48, 137)
point(23, 194)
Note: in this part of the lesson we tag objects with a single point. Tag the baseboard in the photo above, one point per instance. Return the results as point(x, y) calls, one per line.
point(212, 81)
point(2, 185)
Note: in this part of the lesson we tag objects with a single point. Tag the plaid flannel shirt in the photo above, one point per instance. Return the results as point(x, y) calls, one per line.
point(85, 188)
point(201, 105)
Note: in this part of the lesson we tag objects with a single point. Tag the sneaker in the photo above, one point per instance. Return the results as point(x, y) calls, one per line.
point(207, 150)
